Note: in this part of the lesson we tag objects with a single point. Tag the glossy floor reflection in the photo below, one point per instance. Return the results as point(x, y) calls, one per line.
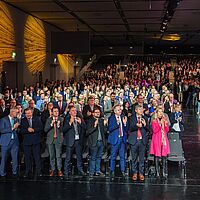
point(103, 188)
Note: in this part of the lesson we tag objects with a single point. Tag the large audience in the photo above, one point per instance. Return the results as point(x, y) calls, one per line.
point(106, 111)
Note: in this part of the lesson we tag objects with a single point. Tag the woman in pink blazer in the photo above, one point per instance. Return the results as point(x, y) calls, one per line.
point(160, 144)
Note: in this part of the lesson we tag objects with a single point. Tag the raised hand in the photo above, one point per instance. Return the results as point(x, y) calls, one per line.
point(125, 120)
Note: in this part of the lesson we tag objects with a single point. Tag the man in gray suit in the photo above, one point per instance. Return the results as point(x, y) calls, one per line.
point(109, 104)
point(53, 128)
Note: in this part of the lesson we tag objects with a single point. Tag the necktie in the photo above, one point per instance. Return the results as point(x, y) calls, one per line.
point(76, 130)
point(139, 135)
point(120, 128)
point(81, 108)
point(12, 124)
point(30, 123)
point(42, 105)
point(55, 131)
point(60, 105)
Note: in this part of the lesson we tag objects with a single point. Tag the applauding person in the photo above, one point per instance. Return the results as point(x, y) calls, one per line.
point(117, 127)
point(96, 130)
point(53, 128)
point(138, 127)
point(73, 130)
point(160, 144)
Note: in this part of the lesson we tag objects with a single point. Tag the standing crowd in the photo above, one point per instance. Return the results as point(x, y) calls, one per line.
point(99, 114)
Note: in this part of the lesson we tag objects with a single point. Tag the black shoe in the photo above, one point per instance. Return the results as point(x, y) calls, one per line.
point(81, 173)
point(123, 175)
point(39, 174)
point(26, 175)
point(66, 176)
point(99, 174)
point(112, 174)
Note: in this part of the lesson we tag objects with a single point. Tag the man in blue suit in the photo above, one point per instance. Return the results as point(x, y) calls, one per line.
point(9, 141)
point(138, 127)
point(117, 138)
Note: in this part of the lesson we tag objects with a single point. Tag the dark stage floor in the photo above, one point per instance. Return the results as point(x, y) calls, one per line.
point(175, 187)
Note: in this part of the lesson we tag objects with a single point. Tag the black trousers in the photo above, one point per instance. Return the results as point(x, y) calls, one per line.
point(69, 151)
point(28, 151)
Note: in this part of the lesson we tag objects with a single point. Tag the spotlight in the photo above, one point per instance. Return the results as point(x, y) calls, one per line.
point(55, 60)
point(14, 54)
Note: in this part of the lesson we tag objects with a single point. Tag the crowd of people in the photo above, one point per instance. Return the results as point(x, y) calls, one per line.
point(100, 113)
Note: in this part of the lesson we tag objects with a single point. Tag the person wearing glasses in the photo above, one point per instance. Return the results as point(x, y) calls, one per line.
point(96, 130)
point(140, 102)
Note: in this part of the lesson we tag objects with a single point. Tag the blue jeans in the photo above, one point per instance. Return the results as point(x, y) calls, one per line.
point(96, 155)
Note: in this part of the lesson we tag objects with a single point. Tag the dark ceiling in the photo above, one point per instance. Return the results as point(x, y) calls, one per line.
point(119, 22)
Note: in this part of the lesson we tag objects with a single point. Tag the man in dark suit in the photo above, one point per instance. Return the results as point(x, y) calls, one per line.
point(36, 112)
point(117, 127)
point(96, 130)
point(73, 130)
point(53, 128)
point(60, 104)
point(4, 110)
point(31, 128)
point(89, 108)
point(9, 141)
point(176, 120)
point(138, 126)
point(140, 102)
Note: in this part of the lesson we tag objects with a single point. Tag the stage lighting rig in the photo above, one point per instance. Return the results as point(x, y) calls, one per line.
point(171, 6)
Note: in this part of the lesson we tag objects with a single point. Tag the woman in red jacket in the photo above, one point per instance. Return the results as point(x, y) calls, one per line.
point(160, 144)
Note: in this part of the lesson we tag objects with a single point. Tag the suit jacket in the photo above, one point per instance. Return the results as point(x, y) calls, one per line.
point(31, 138)
point(64, 105)
point(36, 112)
point(108, 107)
point(167, 108)
point(19, 100)
point(173, 120)
point(133, 130)
point(93, 132)
point(44, 116)
point(87, 108)
point(50, 131)
point(79, 107)
point(69, 132)
point(6, 131)
point(114, 130)
point(4, 113)
point(145, 106)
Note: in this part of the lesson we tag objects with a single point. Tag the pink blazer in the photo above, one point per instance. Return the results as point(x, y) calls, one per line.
point(157, 147)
